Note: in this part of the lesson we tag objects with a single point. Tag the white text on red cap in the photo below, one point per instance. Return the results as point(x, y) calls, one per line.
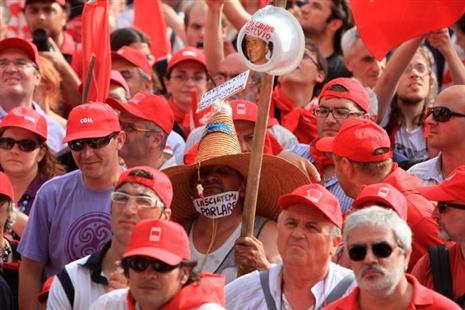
point(314, 195)
point(86, 120)
point(241, 109)
point(155, 234)
point(189, 53)
point(29, 118)
point(383, 192)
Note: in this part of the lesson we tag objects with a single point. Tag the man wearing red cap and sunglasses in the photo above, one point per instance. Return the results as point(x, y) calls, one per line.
point(371, 162)
point(445, 123)
point(70, 216)
point(158, 265)
point(140, 193)
point(379, 244)
point(444, 269)
point(309, 229)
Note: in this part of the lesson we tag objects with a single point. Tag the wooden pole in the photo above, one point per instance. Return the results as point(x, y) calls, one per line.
point(256, 156)
point(85, 90)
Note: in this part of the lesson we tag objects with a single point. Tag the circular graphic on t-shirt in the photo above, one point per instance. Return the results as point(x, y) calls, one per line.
point(87, 234)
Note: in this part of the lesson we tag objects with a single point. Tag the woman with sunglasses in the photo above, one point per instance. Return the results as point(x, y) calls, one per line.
point(25, 158)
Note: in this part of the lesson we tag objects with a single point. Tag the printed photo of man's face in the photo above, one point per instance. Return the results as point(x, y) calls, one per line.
point(256, 50)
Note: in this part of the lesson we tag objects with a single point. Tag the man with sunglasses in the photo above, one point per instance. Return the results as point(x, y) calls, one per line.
point(140, 193)
point(70, 217)
point(446, 273)
point(379, 244)
point(158, 265)
point(308, 234)
point(362, 155)
point(147, 120)
point(445, 121)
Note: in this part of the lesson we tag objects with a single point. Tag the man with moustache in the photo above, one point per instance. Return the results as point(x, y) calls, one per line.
point(378, 243)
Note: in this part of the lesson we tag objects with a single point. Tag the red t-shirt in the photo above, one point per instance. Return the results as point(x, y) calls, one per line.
point(422, 271)
point(422, 298)
point(424, 228)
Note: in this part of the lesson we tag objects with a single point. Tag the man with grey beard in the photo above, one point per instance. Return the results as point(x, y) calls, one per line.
point(379, 243)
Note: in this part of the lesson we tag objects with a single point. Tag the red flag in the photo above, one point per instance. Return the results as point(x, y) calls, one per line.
point(384, 24)
point(148, 17)
point(96, 41)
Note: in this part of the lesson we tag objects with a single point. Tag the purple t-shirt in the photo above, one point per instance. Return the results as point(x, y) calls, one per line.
point(67, 221)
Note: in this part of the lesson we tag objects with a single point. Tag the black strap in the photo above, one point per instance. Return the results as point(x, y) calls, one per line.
point(440, 269)
point(67, 285)
point(265, 282)
point(339, 290)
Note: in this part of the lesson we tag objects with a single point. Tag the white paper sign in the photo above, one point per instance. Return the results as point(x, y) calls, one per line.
point(217, 206)
point(225, 90)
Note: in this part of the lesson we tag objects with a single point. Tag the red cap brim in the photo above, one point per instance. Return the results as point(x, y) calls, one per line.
point(325, 144)
point(160, 254)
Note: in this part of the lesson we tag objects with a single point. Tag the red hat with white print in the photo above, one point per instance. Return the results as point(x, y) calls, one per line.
point(243, 110)
point(315, 195)
point(187, 53)
point(117, 78)
point(21, 44)
point(163, 240)
point(355, 92)
point(133, 56)
point(360, 140)
point(26, 118)
point(149, 107)
point(384, 193)
point(451, 189)
point(154, 179)
point(91, 120)
point(5, 186)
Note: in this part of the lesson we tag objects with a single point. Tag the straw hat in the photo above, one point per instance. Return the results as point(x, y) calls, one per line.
point(220, 146)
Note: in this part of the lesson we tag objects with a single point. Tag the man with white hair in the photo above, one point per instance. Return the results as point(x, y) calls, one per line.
point(379, 243)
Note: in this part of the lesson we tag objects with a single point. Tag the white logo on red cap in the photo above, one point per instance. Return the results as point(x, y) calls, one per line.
point(383, 192)
point(86, 120)
point(29, 118)
point(189, 53)
point(314, 195)
point(155, 234)
point(241, 109)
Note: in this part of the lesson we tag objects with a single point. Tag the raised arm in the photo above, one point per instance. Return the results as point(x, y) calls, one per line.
point(236, 13)
point(213, 37)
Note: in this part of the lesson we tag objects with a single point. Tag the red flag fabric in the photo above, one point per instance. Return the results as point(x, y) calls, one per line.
point(148, 17)
point(96, 41)
point(384, 24)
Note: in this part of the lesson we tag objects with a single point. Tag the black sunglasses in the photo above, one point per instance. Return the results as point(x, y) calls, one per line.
point(94, 143)
point(442, 205)
point(24, 145)
point(381, 250)
point(140, 264)
point(442, 114)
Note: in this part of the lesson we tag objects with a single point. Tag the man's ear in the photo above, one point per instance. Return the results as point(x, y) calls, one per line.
point(335, 24)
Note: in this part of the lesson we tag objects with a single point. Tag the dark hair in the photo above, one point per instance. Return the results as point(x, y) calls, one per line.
point(244, 46)
point(340, 10)
point(127, 36)
point(322, 64)
point(461, 24)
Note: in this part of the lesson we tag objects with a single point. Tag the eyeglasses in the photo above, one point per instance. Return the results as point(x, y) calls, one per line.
point(381, 250)
point(184, 78)
point(142, 202)
point(94, 143)
point(442, 205)
point(140, 264)
point(131, 128)
point(442, 114)
point(24, 145)
point(421, 69)
point(338, 113)
point(17, 63)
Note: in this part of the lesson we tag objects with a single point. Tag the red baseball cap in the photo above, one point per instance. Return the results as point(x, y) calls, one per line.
point(150, 107)
point(187, 53)
point(355, 92)
point(26, 118)
point(60, 2)
point(159, 183)
point(451, 189)
point(91, 120)
point(133, 56)
point(360, 140)
point(5, 186)
point(117, 78)
point(21, 44)
point(317, 196)
point(384, 193)
point(163, 240)
point(243, 110)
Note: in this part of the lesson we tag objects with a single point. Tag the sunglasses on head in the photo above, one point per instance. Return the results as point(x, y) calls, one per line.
point(24, 145)
point(442, 205)
point(442, 114)
point(94, 143)
point(381, 250)
point(140, 264)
